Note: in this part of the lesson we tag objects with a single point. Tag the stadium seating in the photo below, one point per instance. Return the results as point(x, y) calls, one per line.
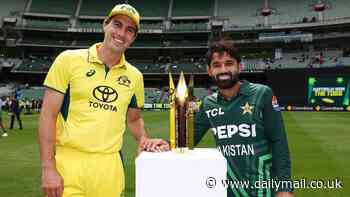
point(186, 8)
point(290, 12)
point(339, 9)
point(11, 6)
point(97, 8)
point(50, 24)
point(6, 89)
point(33, 65)
point(187, 68)
point(345, 61)
point(9, 62)
point(152, 95)
point(54, 7)
point(239, 12)
point(332, 58)
point(90, 24)
point(153, 8)
point(200, 93)
point(246, 13)
point(190, 26)
point(153, 25)
point(33, 93)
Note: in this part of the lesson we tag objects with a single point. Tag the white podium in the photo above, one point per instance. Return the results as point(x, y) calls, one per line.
point(197, 172)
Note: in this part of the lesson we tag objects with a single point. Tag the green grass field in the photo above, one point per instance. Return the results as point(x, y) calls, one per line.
point(319, 145)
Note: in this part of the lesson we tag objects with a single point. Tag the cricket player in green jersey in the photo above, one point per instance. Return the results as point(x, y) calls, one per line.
point(248, 128)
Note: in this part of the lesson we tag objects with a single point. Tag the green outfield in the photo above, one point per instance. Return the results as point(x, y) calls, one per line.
point(319, 143)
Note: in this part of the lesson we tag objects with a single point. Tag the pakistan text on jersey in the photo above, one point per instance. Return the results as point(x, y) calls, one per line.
point(228, 131)
point(104, 106)
point(237, 150)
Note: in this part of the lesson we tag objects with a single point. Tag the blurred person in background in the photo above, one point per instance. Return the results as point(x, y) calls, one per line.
point(1, 124)
point(15, 112)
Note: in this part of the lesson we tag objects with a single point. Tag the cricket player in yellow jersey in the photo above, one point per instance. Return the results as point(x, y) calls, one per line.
point(91, 94)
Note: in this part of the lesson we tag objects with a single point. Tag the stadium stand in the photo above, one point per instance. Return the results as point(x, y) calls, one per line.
point(242, 15)
point(338, 9)
point(190, 26)
point(54, 7)
point(153, 8)
point(185, 8)
point(9, 62)
point(32, 93)
point(184, 24)
point(96, 8)
point(152, 25)
point(88, 24)
point(34, 65)
point(152, 95)
point(148, 43)
point(6, 89)
point(200, 93)
point(47, 23)
point(11, 7)
point(248, 12)
point(284, 14)
point(345, 61)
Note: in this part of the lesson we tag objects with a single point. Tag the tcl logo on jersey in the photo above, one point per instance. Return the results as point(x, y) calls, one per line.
point(214, 112)
point(228, 131)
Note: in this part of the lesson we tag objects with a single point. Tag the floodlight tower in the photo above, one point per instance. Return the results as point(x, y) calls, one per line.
point(320, 7)
point(266, 11)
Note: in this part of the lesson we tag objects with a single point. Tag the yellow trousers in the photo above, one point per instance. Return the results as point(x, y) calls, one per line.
point(90, 174)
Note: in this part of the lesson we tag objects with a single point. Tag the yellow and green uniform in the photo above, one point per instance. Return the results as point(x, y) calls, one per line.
point(249, 132)
point(96, 99)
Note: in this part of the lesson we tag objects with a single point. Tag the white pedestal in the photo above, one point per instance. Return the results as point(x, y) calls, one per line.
point(187, 174)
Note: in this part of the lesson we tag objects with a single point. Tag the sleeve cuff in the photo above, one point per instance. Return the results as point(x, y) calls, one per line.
point(54, 89)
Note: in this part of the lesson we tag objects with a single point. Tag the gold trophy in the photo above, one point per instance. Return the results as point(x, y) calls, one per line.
point(181, 115)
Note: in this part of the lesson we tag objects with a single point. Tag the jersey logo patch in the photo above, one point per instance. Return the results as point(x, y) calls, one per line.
point(90, 73)
point(275, 105)
point(124, 81)
point(105, 94)
point(247, 108)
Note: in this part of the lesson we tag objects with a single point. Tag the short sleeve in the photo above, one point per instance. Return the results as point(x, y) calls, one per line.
point(59, 75)
point(138, 99)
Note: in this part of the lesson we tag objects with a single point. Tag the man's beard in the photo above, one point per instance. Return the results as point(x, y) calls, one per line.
point(226, 80)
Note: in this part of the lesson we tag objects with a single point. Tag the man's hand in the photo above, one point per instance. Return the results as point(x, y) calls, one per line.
point(153, 145)
point(284, 194)
point(51, 183)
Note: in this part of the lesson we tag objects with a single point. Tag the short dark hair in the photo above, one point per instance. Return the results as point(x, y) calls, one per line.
point(220, 47)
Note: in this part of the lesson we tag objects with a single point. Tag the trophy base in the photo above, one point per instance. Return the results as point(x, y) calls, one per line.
point(181, 150)
point(187, 174)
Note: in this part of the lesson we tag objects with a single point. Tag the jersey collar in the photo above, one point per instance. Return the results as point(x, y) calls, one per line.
point(243, 90)
point(93, 58)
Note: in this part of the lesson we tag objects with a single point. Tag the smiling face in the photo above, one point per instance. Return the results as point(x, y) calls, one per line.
point(119, 33)
point(224, 69)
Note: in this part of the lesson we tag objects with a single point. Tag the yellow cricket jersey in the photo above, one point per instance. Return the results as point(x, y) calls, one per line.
point(96, 99)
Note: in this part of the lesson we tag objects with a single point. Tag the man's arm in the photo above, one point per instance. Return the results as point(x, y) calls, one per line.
point(52, 182)
point(137, 128)
point(275, 132)
point(136, 124)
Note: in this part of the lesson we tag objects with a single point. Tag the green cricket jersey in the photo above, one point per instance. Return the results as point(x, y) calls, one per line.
point(249, 132)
